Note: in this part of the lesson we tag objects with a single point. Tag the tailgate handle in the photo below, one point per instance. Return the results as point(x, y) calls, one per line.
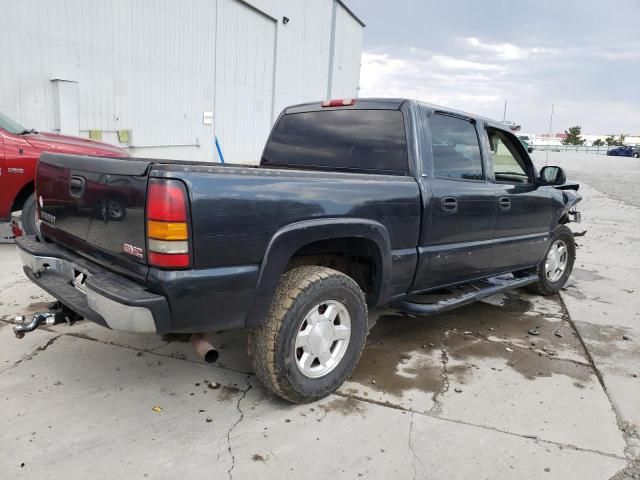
point(77, 186)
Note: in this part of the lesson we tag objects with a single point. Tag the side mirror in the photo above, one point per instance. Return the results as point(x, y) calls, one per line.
point(552, 176)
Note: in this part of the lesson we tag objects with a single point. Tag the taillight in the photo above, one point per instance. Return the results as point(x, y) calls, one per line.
point(340, 102)
point(167, 227)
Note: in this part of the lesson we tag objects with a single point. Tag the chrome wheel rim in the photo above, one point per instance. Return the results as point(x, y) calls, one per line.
point(556, 261)
point(36, 223)
point(322, 338)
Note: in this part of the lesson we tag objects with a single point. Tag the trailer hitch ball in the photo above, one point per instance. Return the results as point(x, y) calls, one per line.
point(22, 326)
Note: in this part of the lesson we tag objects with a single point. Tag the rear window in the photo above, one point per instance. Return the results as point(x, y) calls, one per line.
point(361, 140)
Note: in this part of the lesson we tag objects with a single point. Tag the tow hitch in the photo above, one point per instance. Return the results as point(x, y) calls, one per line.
point(57, 313)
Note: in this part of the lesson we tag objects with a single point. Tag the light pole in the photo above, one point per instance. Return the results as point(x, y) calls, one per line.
point(504, 113)
point(546, 162)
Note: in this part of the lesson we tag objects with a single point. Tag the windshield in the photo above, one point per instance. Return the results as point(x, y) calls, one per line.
point(10, 126)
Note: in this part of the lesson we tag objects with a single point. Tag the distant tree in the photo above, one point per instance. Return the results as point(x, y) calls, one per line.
point(573, 136)
point(612, 141)
point(598, 143)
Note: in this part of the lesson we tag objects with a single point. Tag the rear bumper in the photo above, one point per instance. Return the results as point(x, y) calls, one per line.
point(108, 299)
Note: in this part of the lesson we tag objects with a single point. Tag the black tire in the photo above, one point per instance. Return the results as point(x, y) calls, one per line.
point(544, 286)
point(636, 155)
point(29, 221)
point(271, 347)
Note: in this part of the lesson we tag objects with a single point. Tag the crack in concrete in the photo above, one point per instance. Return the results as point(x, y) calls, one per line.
point(484, 427)
point(628, 432)
point(413, 452)
point(436, 409)
point(229, 449)
point(31, 355)
point(17, 282)
point(150, 351)
point(630, 472)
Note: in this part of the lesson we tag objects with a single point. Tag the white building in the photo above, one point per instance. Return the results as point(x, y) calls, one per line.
point(165, 77)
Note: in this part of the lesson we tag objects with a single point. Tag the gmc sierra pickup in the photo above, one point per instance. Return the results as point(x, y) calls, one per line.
point(356, 204)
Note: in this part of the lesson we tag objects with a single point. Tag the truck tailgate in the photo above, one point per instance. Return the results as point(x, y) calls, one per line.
point(96, 207)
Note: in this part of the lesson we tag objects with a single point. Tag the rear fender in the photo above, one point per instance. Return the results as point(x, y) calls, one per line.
point(288, 240)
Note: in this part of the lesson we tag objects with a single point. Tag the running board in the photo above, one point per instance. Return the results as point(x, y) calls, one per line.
point(489, 287)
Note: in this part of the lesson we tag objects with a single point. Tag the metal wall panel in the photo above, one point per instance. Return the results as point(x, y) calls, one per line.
point(347, 52)
point(245, 67)
point(153, 67)
point(303, 53)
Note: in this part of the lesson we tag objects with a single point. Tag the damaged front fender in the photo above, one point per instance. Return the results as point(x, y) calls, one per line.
point(566, 210)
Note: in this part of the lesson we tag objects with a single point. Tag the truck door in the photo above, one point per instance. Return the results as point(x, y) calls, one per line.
point(459, 213)
point(524, 209)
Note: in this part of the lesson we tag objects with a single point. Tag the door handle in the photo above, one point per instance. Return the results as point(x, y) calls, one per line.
point(77, 186)
point(449, 204)
point(504, 203)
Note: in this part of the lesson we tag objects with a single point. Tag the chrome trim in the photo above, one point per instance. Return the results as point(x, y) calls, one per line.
point(47, 264)
point(117, 315)
point(121, 317)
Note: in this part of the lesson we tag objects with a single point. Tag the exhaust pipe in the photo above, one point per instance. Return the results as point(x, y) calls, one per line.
point(204, 350)
point(38, 319)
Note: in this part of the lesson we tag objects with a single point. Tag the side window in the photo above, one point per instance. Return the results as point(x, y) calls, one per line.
point(508, 164)
point(456, 152)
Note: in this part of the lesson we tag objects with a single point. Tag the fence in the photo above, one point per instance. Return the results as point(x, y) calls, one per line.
point(595, 150)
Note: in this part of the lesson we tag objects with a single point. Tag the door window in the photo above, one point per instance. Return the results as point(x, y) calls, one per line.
point(456, 151)
point(508, 164)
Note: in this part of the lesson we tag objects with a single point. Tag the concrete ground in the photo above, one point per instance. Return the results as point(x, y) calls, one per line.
point(467, 394)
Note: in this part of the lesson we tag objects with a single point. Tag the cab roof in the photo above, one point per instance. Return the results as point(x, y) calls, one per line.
point(382, 103)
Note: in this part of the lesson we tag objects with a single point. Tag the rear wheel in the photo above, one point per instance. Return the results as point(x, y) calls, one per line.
point(556, 267)
point(30, 221)
point(313, 335)
point(636, 155)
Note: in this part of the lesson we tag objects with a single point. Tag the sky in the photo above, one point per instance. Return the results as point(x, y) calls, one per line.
point(581, 56)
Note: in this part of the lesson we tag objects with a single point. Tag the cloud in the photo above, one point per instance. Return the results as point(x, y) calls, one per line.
point(452, 63)
point(478, 76)
point(436, 78)
point(506, 51)
point(584, 57)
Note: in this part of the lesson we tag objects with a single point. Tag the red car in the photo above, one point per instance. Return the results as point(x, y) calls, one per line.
point(20, 149)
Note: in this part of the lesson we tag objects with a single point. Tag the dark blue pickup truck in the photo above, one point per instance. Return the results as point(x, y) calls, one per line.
point(356, 205)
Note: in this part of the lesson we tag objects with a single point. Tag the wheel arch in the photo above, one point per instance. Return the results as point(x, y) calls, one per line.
point(22, 195)
point(290, 240)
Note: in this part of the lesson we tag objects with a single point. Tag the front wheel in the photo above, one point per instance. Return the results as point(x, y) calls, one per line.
point(636, 155)
point(556, 267)
point(30, 221)
point(313, 335)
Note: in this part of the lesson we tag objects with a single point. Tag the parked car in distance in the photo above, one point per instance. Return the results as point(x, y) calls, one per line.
point(20, 149)
point(624, 151)
point(356, 205)
point(526, 141)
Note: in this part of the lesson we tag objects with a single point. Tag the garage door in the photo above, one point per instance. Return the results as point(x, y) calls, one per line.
point(245, 57)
